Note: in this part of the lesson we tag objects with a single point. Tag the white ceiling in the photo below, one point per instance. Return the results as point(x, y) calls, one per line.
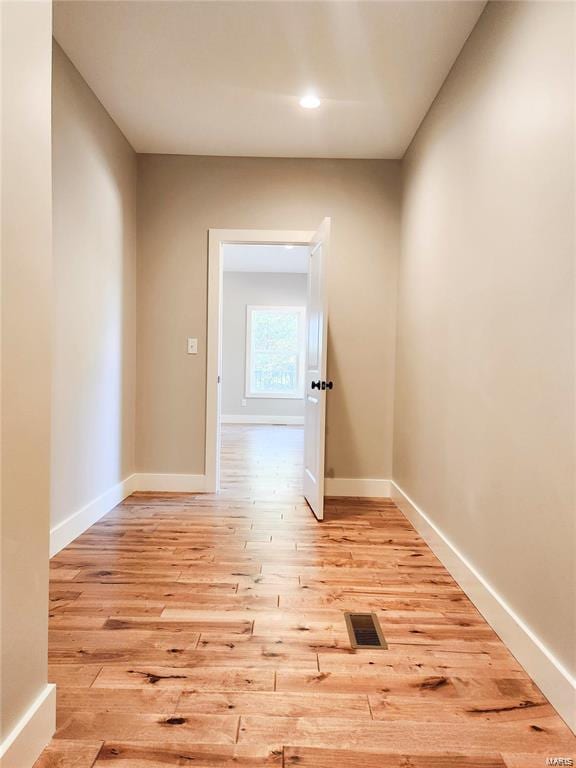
point(265, 258)
point(224, 78)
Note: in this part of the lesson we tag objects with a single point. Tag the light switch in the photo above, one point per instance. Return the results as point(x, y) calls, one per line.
point(192, 346)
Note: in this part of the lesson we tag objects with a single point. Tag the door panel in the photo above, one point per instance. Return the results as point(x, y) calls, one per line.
point(316, 351)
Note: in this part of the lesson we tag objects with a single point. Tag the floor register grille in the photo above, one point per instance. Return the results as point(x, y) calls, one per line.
point(364, 631)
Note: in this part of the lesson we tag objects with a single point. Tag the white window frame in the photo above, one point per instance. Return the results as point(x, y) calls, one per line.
point(299, 393)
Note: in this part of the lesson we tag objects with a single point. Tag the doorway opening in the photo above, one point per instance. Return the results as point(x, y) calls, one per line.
point(266, 363)
point(264, 296)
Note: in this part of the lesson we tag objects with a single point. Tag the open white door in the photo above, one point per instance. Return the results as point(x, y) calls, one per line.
point(316, 384)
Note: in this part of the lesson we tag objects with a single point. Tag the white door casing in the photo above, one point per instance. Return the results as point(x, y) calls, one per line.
point(216, 239)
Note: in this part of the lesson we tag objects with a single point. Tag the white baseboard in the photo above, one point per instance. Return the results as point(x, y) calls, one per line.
point(254, 419)
point(23, 745)
point(74, 525)
point(356, 486)
point(548, 673)
point(170, 483)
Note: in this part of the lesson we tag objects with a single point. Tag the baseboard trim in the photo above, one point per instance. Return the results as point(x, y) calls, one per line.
point(23, 745)
point(175, 483)
point(254, 419)
point(357, 486)
point(543, 667)
point(74, 525)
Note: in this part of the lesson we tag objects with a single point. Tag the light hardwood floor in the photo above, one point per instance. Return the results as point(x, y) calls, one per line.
point(209, 631)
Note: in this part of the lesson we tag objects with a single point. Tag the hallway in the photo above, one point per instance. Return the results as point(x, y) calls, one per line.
point(209, 631)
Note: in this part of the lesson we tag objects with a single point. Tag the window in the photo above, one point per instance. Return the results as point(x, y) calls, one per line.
point(275, 352)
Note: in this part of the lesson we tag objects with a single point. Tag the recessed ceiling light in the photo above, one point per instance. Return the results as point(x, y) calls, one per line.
point(288, 247)
point(310, 101)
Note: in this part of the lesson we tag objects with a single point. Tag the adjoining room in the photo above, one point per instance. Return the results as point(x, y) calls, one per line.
point(264, 298)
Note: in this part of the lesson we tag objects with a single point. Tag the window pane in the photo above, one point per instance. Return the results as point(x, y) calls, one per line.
point(275, 351)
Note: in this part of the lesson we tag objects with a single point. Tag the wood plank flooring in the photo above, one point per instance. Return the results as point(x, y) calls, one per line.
point(209, 631)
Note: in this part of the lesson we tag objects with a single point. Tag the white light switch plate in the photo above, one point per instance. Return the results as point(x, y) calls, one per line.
point(192, 346)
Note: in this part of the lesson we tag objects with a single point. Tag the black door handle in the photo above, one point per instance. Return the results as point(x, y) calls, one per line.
point(316, 384)
point(322, 385)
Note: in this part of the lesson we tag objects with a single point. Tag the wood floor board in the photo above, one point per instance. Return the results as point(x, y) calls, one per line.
point(541, 735)
point(186, 614)
point(352, 706)
point(309, 566)
point(167, 728)
point(73, 675)
point(63, 574)
point(74, 619)
point(173, 655)
point(498, 709)
point(125, 576)
point(436, 686)
point(135, 754)
point(428, 668)
point(374, 681)
point(185, 620)
point(62, 753)
point(184, 678)
point(70, 699)
point(205, 584)
point(310, 757)
point(99, 611)
point(130, 559)
point(236, 656)
point(208, 630)
point(229, 603)
point(103, 639)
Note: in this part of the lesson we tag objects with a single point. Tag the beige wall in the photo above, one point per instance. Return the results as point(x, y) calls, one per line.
point(26, 274)
point(180, 198)
point(95, 304)
point(241, 289)
point(484, 416)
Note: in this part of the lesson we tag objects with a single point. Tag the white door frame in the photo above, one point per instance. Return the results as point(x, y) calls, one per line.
point(216, 239)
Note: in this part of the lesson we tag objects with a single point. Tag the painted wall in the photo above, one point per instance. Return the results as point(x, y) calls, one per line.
point(484, 416)
point(241, 289)
point(95, 296)
point(26, 280)
point(180, 198)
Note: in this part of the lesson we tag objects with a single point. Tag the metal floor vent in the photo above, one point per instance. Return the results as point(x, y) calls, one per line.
point(364, 630)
